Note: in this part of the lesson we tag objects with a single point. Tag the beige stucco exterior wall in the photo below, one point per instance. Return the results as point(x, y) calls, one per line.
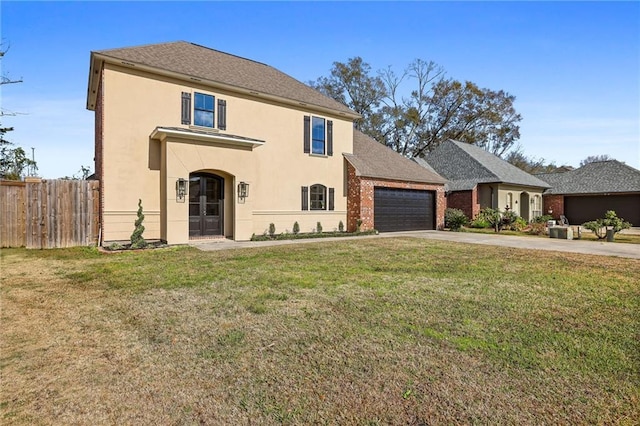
point(520, 196)
point(138, 167)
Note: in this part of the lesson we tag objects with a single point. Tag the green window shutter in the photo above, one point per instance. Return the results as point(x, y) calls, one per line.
point(331, 197)
point(329, 138)
point(307, 134)
point(186, 108)
point(305, 198)
point(222, 114)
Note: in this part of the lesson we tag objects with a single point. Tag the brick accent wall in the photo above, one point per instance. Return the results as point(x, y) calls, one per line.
point(555, 203)
point(353, 198)
point(98, 135)
point(467, 201)
point(360, 191)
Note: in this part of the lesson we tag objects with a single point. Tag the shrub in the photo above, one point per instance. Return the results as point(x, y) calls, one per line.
point(537, 228)
point(341, 226)
point(296, 228)
point(610, 221)
point(492, 217)
point(319, 228)
point(137, 240)
point(512, 222)
point(358, 224)
point(480, 222)
point(542, 219)
point(519, 224)
point(272, 230)
point(455, 219)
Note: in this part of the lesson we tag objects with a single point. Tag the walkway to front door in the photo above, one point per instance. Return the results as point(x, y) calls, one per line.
point(206, 205)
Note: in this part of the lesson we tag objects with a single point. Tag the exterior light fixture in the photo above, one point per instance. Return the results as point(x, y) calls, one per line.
point(181, 190)
point(243, 190)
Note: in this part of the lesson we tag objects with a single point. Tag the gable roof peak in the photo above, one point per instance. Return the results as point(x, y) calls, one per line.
point(460, 161)
point(373, 159)
point(193, 62)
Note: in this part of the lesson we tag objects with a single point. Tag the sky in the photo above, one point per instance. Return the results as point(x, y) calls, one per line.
point(574, 67)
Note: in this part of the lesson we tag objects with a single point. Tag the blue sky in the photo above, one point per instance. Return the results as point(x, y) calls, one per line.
point(574, 67)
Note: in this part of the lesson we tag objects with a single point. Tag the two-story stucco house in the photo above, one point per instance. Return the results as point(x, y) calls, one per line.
point(216, 145)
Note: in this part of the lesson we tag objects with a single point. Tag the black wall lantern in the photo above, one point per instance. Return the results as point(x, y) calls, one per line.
point(181, 190)
point(243, 190)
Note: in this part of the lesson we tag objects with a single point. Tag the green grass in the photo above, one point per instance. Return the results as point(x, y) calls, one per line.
point(380, 331)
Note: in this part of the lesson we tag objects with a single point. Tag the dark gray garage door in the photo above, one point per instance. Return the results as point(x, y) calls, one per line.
point(403, 209)
point(581, 209)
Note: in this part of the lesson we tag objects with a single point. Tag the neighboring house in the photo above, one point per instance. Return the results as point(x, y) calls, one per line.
point(215, 146)
point(389, 192)
point(477, 179)
point(586, 193)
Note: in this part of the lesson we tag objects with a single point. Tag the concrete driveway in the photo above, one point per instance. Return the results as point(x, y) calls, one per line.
point(631, 251)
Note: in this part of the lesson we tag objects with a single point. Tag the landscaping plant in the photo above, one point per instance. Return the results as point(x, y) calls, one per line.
point(272, 230)
point(512, 222)
point(137, 240)
point(492, 216)
point(610, 221)
point(455, 219)
point(296, 227)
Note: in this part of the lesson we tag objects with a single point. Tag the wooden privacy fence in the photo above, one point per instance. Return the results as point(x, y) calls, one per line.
point(49, 213)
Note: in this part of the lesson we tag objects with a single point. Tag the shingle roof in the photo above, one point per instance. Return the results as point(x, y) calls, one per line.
point(375, 160)
point(201, 62)
point(466, 165)
point(594, 178)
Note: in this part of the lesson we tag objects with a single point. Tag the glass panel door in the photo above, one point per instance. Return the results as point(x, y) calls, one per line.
point(206, 202)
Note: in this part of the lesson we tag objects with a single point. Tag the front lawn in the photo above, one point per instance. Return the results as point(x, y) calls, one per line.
point(365, 331)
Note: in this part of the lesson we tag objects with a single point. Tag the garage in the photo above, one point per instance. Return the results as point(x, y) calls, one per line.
point(398, 209)
point(581, 209)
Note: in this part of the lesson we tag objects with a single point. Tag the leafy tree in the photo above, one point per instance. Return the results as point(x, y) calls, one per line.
point(531, 165)
point(13, 160)
point(436, 109)
point(81, 174)
point(595, 158)
point(352, 84)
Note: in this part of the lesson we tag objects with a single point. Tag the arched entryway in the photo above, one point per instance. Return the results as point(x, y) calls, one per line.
point(206, 205)
point(524, 206)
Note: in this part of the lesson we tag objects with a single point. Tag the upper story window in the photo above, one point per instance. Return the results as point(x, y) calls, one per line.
point(203, 110)
point(318, 136)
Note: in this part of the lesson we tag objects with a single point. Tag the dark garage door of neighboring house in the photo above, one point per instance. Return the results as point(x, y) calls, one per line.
point(403, 209)
point(581, 209)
